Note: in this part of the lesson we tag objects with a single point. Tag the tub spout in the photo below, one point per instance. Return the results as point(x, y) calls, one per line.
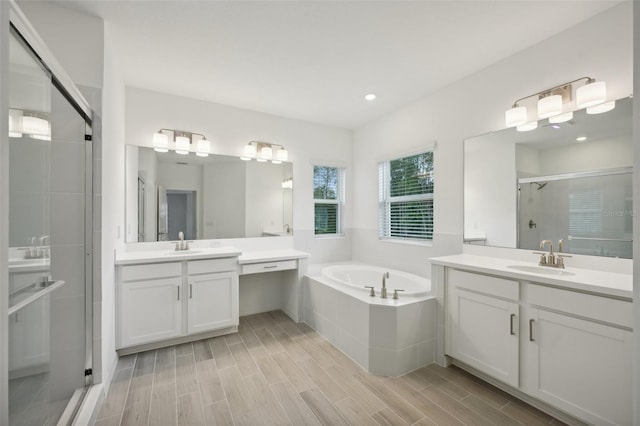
point(383, 292)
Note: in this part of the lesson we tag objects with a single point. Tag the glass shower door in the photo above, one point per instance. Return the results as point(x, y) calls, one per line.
point(48, 246)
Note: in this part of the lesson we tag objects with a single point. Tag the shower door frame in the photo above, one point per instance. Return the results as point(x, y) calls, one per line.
point(12, 18)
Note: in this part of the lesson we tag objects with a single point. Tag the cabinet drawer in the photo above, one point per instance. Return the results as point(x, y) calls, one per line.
point(600, 308)
point(499, 287)
point(151, 271)
point(282, 265)
point(212, 265)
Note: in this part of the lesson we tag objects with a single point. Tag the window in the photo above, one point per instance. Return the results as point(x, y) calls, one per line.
point(405, 208)
point(328, 193)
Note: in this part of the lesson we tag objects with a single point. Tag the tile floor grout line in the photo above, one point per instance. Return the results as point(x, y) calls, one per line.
point(153, 381)
point(124, 406)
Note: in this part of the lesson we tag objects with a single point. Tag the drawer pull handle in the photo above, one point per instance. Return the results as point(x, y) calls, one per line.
point(511, 330)
point(531, 339)
point(270, 266)
point(178, 291)
point(190, 291)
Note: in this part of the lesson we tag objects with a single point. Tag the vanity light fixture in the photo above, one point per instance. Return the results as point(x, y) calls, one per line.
point(182, 142)
point(591, 95)
point(33, 123)
point(264, 151)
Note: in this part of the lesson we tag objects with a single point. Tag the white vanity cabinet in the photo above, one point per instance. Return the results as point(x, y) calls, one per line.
point(212, 301)
point(484, 314)
point(149, 303)
point(569, 349)
point(162, 302)
point(577, 354)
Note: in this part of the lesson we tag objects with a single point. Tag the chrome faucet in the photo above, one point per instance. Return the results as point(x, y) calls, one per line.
point(550, 258)
point(383, 291)
point(287, 228)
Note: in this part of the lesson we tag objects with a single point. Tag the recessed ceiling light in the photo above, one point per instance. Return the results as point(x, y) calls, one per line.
point(370, 96)
point(581, 138)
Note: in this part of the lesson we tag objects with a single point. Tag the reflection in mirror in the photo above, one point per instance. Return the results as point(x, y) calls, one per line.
point(569, 181)
point(205, 197)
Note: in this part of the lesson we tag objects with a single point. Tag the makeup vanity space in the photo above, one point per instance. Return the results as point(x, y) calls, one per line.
point(238, 218)
point(169, 297)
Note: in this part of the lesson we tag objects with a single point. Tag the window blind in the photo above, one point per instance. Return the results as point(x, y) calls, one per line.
point(405, 202)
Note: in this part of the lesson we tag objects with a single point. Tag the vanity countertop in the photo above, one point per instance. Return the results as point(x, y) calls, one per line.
point(271, 256)
point(157, 256)
point(588, 280)
point(28, 265)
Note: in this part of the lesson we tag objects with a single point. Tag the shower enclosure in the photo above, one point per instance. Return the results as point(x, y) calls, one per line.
point(50, 243)
point(591, 212)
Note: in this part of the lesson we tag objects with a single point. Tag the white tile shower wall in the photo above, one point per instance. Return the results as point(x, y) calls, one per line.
point(600, 47)
point(387, 340)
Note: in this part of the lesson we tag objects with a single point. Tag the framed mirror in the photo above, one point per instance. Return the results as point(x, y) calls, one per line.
point(568, 181)
point(205, 197)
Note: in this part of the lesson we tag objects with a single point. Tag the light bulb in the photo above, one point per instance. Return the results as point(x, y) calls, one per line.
point(266, 153)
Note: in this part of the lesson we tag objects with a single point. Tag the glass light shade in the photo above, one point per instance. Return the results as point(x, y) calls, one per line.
point(15, 130)
point(515, 116)
point(204, 148)
point(160, 142)
point(35, 126)
point(282, 155)
point(549, 106)
point(249, 152)
point(600, 108)
point(182, 145)
point(527, 126)
point(266, 153)
point(561, 118)
point(591, 94)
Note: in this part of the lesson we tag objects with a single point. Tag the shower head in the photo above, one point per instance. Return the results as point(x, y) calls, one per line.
point(541, 185)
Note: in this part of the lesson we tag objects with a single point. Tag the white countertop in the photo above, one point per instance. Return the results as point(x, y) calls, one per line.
point(157, 256)
point(271, 256)
point(28, 265)
point(589, 280)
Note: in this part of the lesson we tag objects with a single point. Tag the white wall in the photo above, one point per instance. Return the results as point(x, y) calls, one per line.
point(75, 39)
point(112, 197)
point(230, 129)
point(600, 47)
point(224, 181)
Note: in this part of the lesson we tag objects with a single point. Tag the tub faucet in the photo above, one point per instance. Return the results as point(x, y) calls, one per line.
point(383, 292)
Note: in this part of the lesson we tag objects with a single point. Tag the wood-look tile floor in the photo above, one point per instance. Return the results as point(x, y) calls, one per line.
point(274, 371)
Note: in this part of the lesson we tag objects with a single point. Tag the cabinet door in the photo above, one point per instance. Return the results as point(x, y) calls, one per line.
point(484, 333)
point(213, 301)
point(150, 311)
point(29, 338)
point(579, 366)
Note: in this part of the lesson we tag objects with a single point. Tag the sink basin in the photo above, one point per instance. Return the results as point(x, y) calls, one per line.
point(184, 252)
point(545, 270)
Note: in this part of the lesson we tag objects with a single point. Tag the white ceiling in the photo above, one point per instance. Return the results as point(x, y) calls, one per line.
point(315, 61)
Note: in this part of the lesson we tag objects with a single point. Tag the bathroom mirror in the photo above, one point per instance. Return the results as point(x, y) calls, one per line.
point(205, 197)
point(568, 181)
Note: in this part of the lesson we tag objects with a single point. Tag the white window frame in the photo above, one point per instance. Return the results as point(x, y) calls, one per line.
point(385, 200)
point(339, 201)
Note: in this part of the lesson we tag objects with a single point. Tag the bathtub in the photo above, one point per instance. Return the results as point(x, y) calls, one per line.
point(358, 276)
point(388, 336)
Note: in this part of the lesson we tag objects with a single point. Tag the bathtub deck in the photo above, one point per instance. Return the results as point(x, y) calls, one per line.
point(277, 372)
